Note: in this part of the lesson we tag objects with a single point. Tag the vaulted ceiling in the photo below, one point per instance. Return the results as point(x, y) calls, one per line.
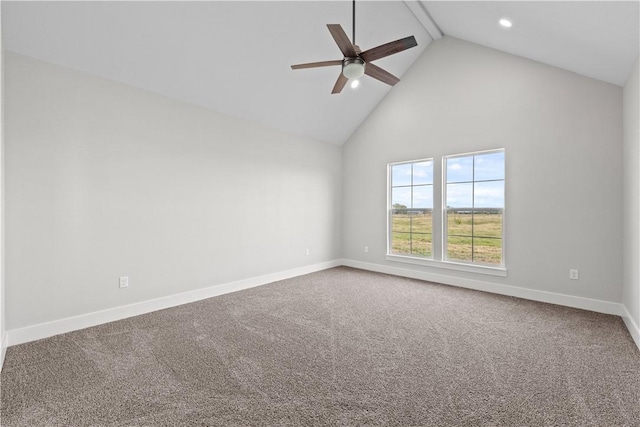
point(235, 57)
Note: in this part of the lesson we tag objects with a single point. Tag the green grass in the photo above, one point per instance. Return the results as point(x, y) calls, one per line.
point(483, 225)
point(411, 235)
point(411, 244)
point(486, 244)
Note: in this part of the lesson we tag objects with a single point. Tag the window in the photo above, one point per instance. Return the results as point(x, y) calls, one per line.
point(411, 208)
point(468, 213)
point(474, 208)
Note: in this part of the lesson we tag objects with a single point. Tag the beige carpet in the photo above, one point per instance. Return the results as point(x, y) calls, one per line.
point(342, 347)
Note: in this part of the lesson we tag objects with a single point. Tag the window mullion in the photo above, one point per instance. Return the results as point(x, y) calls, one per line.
point(473, 205)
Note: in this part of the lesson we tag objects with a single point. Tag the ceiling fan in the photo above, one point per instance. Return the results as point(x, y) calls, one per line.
point(355, 62)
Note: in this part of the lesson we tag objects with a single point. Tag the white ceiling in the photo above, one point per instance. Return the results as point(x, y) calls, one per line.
point(598, 39)
point(235, 57)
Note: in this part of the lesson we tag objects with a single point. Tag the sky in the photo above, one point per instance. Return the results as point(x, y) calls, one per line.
point(487, 169)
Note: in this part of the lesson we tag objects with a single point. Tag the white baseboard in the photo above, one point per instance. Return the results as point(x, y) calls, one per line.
point(633, 327)
point(525, 293)
point(61, 326)
point(3, 347)
point(48, 329)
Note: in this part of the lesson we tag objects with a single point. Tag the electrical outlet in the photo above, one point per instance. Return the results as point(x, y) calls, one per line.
point(124, 281)
point(573, 274)
point(366, 249)
point(307, 251)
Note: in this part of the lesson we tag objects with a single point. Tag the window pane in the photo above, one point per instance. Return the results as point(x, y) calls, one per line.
point(460, 195)
point(487, 251)
point(423, 197)
point(400, 243)
point(421, 223)
point(487, 224)
point(401, 197)
point(459, 223)
point(411, 208)
point(460, 169)
point(489, 166)
point(459, 248)
point(421, 245)
point(401, 174)
point(423, 173)
point(400, 222)
point(473, 211)
point(489, 194)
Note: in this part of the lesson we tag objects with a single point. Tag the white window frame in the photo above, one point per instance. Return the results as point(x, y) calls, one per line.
point(438, 231)
point(446, 210)
point(390, 207)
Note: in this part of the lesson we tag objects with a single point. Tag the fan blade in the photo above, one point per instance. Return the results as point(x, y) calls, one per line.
point(342, 40)
point(342, 80)
point(316, 64)
point(380, 74)
point(388, 49)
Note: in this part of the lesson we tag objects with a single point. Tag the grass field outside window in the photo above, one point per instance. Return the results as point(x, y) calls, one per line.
point(470, 214)
point(411, 208)
point(474, 208)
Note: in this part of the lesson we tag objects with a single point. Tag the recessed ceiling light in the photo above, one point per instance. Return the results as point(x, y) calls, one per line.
point(505, 23)
point(355, 84)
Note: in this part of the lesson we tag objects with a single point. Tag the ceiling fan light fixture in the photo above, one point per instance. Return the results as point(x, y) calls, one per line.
point(355, 62)
point(353, 68)
point(504, 22)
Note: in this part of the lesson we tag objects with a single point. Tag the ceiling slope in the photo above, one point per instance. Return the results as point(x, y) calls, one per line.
point(235, 57)
point(597, 39)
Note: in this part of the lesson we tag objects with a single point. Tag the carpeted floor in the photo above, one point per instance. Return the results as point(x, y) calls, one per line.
point(341, 347)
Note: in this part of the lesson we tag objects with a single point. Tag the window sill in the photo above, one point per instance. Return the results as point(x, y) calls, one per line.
point(481, 269)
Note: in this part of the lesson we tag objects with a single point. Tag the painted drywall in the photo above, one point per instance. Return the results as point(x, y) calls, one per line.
point(104, 180)
point(631, 260)
point(3, 341)
point(563, 138)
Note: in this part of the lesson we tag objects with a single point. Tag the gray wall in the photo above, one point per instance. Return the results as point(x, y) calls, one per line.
point(104, 180)
point(631, 295)
point(563, 138)
point(3, 328)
